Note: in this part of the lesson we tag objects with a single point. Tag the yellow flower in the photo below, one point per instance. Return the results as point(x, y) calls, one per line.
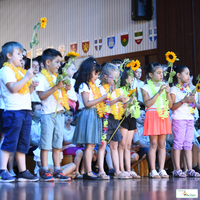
point(170, 56)
point(43, 22)
point(72, 54)
point(132, 63)
point(198, 87)
point(136, 66)
point(130, 92)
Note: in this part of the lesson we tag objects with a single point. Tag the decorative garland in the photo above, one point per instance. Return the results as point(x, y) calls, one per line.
point(117, 109)
point(96, 94)
point(25, 88)
point(162, 112)
point(186, 90)
point(64, 100)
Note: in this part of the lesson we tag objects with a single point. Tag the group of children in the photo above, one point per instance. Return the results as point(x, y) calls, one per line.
point(51, 120)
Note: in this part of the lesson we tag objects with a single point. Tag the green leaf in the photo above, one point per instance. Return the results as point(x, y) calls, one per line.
point(172, 73)
point(170, 79)
point(35, 36)
point(31, 45)
point(38, 27)
point(37, 42)
point(198, 77)
point(59, 78)
point(35, 26)
point(165, 73)
point(170, 64)
point(67, 81)
point(177, 59)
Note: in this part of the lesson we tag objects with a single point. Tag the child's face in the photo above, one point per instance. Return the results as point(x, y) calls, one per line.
point(157, 75)
point(53, 66)
point(16, 57)
point(138, 73)
point(71, 70)
point(140, 120)
point(94, 76)
point(37, 111)
point(114, 75)
point(36, 67)
point(68, 118)
point(184, 76)
point(130, 79)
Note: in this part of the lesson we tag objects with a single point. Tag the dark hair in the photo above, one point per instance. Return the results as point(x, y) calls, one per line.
point(8, 48)
point(151, 68)
point(39, 59)
point(49, 54)
point(117, 61)
point(66, 58)
point(84, 73)
point(124, 76)
point(178, 69)
point(28, 63)
point(71, 110)
point(35, 103)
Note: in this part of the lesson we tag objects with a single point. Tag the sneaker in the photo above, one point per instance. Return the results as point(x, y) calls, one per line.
point(111, 172)
point(6, 177)
point(59, 176)
point(196, 169)
point(46, 176)
point(27, 176)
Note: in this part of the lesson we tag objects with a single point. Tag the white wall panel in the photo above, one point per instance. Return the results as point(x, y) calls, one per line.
point(70, 21)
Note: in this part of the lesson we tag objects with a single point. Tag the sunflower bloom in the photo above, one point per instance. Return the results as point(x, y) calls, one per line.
point(136, 66)
point(43, 22)
point(72, 54)
point(132, 63)
point(198, 87)
point(170, 56)
point(130, 92)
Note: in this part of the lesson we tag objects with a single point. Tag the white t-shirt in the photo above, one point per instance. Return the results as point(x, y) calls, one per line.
point(183, 112)
point(35, 97)
point(140, 84)
point(2, 104)
point(134, 83)
point(71, 93)
point(13, 101)
point(49, 104)
point(140, 137)
point(148, 90)
point(35, 131)
point(84, 88)
point(67, 136)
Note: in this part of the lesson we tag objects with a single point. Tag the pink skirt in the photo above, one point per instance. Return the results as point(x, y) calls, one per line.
point(155, 125)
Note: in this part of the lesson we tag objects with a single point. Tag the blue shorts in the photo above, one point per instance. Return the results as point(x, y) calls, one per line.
point(17, 128)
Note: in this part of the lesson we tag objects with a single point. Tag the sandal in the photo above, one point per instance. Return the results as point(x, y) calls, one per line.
point(163, 174)
point(154, 174)
point(192, 173)
point(120, 175)
point(133, 174)
point(179, 174)
point(103, 176)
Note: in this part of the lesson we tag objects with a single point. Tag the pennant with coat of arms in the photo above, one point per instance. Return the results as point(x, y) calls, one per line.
point(138, 36)
point(153, 34)
point(98, 44)
point(124, 39)
point(73, 47)
point(111, 42)
point(85, 46)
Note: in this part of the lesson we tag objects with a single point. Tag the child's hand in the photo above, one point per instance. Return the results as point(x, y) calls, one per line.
point(112, 87)
point(162, 88)
point(35, 83)
point(167, 89)
point(123, 99)
point(29, 73)
point(59, 85)
point(189, 99)
point(67, 87)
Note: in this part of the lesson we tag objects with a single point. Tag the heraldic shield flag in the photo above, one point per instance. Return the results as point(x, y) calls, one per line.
point(85, 46)
point(153, 34)
point(138, 36)
point(124, 39)
point(98, 44)
point(73, 47)
point(111, 42)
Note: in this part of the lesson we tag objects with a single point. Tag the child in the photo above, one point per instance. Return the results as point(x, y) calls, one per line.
point(157, 121)
point(68, 147)
point(127, 129)
point(110, 73)
point(89, 125)
point(183, 120)
point(16, 116)
point(52, 127)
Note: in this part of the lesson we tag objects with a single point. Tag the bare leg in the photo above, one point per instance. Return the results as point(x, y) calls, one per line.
point(68, 169)
point(21, 161)
point(188, 155)
point(194, 155)
point(56, 157)
point(77, 159)
point(10, 164)
point(44, 157)
point(176, 158)
point(4, 155)
point(161, 151)
point(100, 157)
point(114, 155)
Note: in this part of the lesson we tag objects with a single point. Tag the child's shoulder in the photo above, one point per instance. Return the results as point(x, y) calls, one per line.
point(84, 87)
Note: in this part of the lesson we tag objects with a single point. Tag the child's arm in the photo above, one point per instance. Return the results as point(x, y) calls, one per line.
point(32, 86)
point(87, 103)
point(14, 87)
point(46, 94)
point(149, 102)
point(187, 99)
point(167, 89)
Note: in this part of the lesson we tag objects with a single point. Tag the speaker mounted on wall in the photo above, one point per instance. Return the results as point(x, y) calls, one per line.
point(141, 10)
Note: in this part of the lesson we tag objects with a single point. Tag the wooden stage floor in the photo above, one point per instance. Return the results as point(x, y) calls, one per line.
point(155, 189)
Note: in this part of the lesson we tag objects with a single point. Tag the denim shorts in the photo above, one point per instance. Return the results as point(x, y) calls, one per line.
point(52, 131)
point(17, 128)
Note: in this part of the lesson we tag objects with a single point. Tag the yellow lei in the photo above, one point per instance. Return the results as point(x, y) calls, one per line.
point(64, 100)
point(96, 94)
point(117, 109)
point(25, 88)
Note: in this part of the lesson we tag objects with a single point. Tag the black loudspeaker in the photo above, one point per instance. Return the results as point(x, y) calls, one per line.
point(141, 9)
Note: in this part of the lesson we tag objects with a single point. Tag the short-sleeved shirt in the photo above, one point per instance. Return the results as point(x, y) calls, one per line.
point(50, 103)
point(183, 112)
point(67, 137)
point(71, 93)
point(2, 104)
point(13, 101)
point(36, 131)
point(84, 88)
point(140, 84)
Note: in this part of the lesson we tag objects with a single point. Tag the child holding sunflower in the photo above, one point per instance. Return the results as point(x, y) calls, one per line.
point(157, 124)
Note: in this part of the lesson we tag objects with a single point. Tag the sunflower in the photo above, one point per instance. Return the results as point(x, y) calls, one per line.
point(170, 56)
point(136, 66)
point(43, 22)
point(198, 87)
point(132, 63)
point(72, 54)
point(130, 92)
